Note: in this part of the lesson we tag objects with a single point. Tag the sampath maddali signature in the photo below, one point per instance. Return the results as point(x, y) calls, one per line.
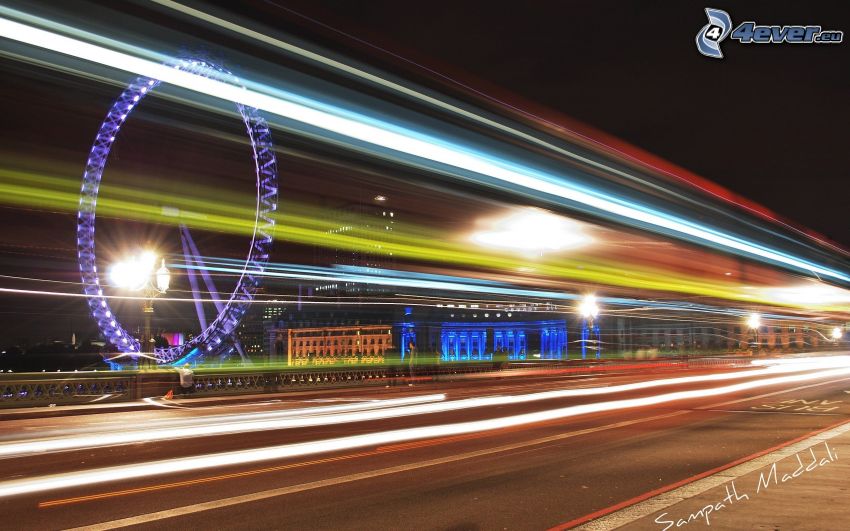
point(766, 478)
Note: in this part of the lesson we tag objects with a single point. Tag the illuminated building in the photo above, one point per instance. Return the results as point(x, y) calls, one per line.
point(330, 345)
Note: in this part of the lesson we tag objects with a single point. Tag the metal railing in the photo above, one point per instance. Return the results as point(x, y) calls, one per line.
point(64, 389)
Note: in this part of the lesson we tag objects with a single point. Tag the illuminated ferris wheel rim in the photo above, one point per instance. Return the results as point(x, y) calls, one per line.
point(214, 338)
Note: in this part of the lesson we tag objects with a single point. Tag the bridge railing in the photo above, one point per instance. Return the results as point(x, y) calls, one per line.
point(64, 389)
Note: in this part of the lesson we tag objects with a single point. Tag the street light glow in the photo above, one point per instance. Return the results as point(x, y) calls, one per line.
point(132, 273)
point(135, 272)
point(837, 333)
point(754, 321)
point(148, 258)
point(588, 307)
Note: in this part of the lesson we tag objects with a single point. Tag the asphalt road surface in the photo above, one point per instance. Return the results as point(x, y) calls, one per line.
point(516, 460)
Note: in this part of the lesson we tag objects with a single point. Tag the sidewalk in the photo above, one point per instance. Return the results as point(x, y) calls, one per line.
point(803, 486)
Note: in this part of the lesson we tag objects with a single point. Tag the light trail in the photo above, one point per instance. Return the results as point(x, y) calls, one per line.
point(414, 406)
point(433, 281)
point(402, 140)
point(287, 451)
point(699, 183)
point(419, 303)
point(43, 443)
point(308, 225)
point(299, 223)
point(18, 291)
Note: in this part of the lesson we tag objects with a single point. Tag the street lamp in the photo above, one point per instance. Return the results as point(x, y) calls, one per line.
point(163, 278)
point(589, 309)
point(754, 323)
point(837, 333)
point(138, 273)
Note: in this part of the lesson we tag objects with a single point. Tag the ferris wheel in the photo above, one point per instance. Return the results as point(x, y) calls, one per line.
point(217, 335)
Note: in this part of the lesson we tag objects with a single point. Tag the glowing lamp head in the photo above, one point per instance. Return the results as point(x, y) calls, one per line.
point(754, 321)
point(588, 307)
point(163, 278)
point(837, 333)
point(133, 273)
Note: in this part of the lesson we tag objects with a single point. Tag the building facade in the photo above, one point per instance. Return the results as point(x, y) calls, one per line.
point(335, 345)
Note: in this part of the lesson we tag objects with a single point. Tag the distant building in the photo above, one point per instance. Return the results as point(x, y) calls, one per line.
point(374, 220)
point(329, 345)
point(250, 334)
point(484, 332)
point(252, 330)
point(473, 334)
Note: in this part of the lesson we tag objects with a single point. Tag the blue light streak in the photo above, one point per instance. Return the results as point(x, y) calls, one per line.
point(397, 139)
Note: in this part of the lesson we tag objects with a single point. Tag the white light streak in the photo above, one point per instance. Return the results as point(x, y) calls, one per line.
point(396, 139)
point(287, 451)
point(370, 411)
point(200, 427)
point(814, 294)
point(532, 230)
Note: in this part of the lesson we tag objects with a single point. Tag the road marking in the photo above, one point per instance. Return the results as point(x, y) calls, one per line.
point(272, 493)
point(159, 403)
point(651, 502)
point(163, 486)
point(103, 397)
point(774, 412)
point(721, 404)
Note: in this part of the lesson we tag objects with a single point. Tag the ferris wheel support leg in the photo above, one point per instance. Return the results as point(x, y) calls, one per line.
point(241, 350)
point(193, 280)
point(202, 267)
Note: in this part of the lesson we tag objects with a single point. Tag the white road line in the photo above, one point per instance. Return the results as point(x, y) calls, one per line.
point(160, 403)
point(262, 495)
point(667, 499)
point(103, 397)
point(738, 401)
point(774, 412)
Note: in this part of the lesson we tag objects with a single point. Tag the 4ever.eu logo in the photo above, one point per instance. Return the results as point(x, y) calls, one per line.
point(720, 26)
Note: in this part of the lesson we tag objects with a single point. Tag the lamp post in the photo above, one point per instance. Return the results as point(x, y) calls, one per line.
point(137, 273)
point(754, 323)
point(589, 309)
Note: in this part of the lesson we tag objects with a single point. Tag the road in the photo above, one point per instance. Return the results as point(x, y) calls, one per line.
point(490, 454)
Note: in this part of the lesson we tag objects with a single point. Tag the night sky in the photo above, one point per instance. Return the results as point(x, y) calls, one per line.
point(767, 121)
